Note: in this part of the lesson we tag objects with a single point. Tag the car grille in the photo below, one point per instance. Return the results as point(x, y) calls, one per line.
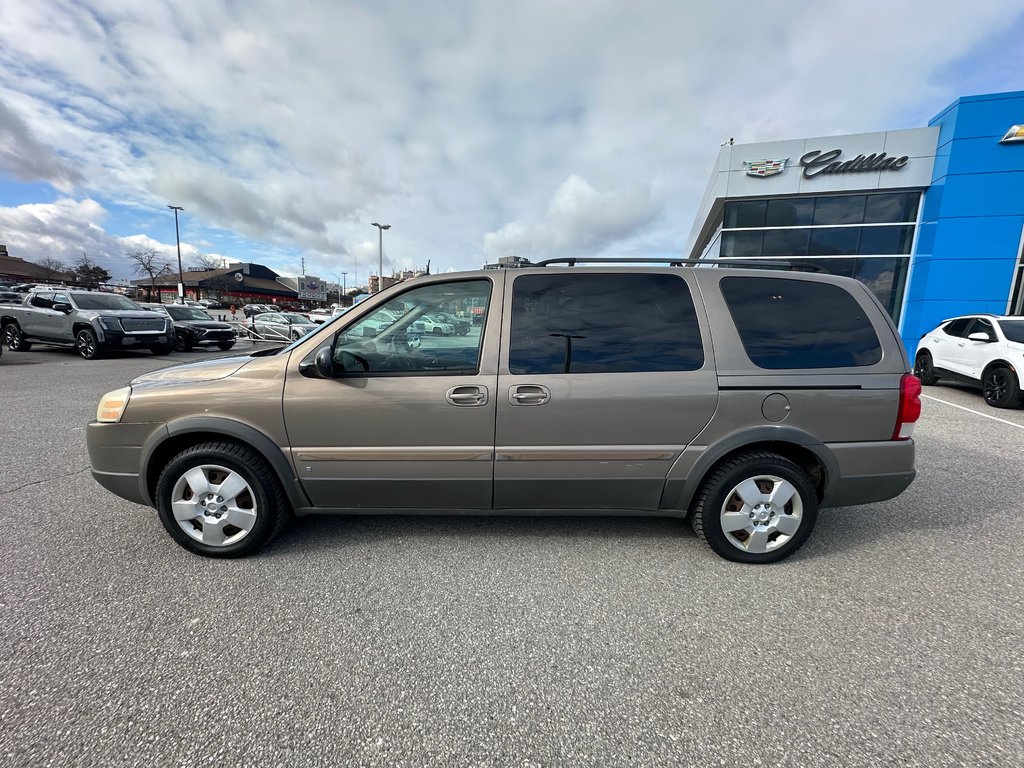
point(137, 324)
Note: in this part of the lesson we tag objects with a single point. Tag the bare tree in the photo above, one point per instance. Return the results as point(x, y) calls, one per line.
point(146, 262)
point(52, 268)
point(207, 262)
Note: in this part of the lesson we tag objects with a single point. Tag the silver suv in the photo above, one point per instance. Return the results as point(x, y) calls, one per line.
point(744, 399)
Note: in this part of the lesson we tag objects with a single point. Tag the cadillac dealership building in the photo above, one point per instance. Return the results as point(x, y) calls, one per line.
point(931, 219)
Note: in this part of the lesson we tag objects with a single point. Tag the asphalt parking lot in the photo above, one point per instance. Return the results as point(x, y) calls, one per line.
point(892, 638)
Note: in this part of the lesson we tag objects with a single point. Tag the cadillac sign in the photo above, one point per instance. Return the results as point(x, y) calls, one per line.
point(819, 163)
point(765, 167)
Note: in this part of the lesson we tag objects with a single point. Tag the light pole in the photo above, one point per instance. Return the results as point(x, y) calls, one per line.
point(177, 239)
point(344, 285)
point(340, 284)
point(380, 274)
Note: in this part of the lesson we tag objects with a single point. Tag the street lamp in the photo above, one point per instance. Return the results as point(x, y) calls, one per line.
point(177, 238)
point(380, 274)
point(344, 285)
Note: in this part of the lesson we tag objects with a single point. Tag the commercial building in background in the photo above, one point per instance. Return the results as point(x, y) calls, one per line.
point(237, 284)
point(931, 219)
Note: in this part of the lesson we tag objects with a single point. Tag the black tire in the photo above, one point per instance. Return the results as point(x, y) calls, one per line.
point(924, 369)
point(162, 349)
point(1000, 387)
point(182, 342)
point(437, 331)
point(225, 345)
point(719, 490)
point(86, 344)
point(267, 496)
point(15, 339)
point(463, 331)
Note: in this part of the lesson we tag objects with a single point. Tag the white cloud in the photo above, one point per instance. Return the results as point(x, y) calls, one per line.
point(580, 220)
point(66, 229)
point(287, 128)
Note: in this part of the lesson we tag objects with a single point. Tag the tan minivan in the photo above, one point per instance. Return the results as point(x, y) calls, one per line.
point(743, 398)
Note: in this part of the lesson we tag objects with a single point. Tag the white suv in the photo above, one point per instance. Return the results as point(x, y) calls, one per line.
point(986, 351)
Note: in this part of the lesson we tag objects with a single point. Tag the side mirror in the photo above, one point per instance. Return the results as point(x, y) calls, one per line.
point(352, 363)
point(60, 306)
point(980, 336)
point(320, 367)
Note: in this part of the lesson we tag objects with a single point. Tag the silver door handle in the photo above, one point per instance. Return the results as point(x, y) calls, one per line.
point(464, 396)
point(529, 394)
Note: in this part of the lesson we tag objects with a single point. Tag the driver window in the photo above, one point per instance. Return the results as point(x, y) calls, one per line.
point(434, 329)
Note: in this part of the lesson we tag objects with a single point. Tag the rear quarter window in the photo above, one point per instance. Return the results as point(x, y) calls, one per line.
point(792, 324)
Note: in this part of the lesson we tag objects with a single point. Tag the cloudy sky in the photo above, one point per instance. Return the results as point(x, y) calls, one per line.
point(476, 129)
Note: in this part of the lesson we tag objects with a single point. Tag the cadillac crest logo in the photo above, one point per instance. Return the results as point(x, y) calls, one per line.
point(765, 167)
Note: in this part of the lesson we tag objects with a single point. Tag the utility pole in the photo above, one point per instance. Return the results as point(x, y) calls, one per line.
point(177, 239)
point(380, 275)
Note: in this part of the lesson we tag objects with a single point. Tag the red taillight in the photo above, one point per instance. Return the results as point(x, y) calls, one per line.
point(910, 407)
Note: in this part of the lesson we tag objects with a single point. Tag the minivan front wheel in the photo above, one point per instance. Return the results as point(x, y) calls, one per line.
point(757, 507)
point(220, 500)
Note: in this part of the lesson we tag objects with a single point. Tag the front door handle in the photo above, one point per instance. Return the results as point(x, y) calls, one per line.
point(466, 396)
point(528, 394)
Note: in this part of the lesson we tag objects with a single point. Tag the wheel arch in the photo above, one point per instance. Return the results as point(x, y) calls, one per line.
point(807, 452)
point(181, 434)
point(1001, 363)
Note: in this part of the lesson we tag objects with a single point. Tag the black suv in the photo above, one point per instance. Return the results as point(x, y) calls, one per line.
point(193, 326)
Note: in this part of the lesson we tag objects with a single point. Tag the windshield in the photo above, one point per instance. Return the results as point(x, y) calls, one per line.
point(291, 317)
point(187, 313)
point(1013, 330)
point(103, 301)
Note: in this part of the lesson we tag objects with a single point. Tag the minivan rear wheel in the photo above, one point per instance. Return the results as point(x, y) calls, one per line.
point(757, 507)
point(220, 499)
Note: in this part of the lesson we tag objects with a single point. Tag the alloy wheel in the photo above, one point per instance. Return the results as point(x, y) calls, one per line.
point(761, 514)
point(214, 505)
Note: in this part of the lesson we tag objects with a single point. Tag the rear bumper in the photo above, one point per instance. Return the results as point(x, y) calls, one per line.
point(870, 472)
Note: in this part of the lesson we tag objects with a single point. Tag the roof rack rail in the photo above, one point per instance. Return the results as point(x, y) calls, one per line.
point(572, 261)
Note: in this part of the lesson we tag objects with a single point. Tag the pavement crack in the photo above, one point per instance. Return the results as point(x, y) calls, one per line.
point(51, 478)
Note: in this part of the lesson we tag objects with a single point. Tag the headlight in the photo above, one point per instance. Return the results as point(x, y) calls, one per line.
point(112, 405)
point(111, 323)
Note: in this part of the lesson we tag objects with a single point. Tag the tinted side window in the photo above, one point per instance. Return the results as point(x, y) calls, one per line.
point(958, 327)
point(42, 300)
point(787, 324)
point(579, 323)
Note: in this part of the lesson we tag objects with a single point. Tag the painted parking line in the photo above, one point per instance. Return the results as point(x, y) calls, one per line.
point(971, 410)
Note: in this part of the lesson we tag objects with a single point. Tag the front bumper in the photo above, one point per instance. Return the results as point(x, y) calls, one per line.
point(128, 340)
point(115, 453)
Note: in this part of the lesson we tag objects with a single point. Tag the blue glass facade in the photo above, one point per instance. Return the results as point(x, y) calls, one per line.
point(968, 250)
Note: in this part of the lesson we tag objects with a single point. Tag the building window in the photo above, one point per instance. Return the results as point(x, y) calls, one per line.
point(830, 232)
